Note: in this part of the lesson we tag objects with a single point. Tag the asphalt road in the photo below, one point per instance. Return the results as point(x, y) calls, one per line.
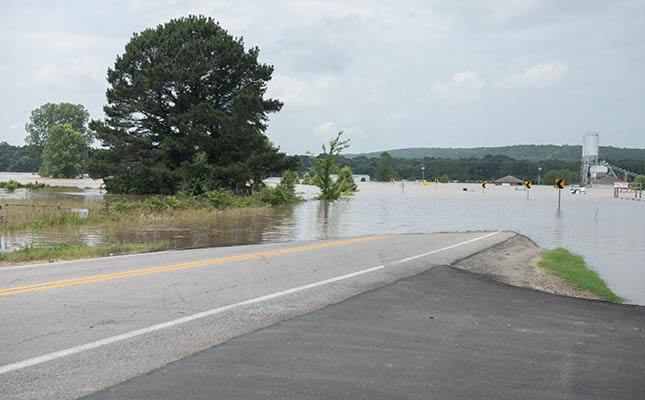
point(443, 334)
point(72, 329)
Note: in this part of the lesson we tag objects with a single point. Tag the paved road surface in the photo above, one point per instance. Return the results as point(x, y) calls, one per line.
point(71, 329)
point(443, 334)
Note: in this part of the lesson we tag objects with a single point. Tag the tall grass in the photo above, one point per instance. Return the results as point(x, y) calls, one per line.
point(19, 215)
point(65, 252)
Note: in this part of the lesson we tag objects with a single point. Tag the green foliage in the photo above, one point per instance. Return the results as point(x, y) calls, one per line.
point(307, 179)
point(569, 176)
point(284, 193)
point(573, 269)
point(385, 168)
point(197, 175)
point(45, 117)
point(10, 185)
point(62, 155)
point(155, 203)
point(533, 152)
point(78, 251)
point(640, 179)
point(17, 159)
point(220, 198)
point(444, 179)
point(186, 111)
point(464, 170)
point(325, 164)
point(346, 181)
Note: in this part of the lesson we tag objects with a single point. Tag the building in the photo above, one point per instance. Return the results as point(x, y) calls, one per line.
point(509, 180)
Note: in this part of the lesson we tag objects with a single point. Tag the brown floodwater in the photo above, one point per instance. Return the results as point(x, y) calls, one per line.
point(607, 232)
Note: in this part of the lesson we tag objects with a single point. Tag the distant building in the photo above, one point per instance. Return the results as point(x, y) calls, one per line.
point(509, 180)
point(606, 181)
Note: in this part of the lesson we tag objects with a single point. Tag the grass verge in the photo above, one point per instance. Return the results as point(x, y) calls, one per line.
point(573, 269)
point(65, 252)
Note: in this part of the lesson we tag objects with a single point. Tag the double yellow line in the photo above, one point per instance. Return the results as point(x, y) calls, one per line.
point(147, 271)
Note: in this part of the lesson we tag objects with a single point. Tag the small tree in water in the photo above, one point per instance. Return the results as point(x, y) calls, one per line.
point(346, 181)
point(325, 164)
point(307, 179)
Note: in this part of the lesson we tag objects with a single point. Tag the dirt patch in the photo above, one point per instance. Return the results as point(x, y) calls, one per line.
point(514, 262)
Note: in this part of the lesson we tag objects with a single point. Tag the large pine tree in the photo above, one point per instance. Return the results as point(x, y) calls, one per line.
point(183, 93)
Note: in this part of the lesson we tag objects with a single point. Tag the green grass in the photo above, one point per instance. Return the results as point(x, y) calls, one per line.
point(573, 269)
point(65, 252)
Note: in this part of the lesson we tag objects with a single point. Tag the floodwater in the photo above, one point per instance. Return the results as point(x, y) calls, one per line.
point(607, 232)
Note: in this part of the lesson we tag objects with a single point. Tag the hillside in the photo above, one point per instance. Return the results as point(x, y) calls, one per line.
point(519, 152)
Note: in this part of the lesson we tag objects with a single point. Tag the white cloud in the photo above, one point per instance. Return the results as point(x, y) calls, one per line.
point(464, 86)
point(87, 67)
point(326, 130)
point(545, 74)
point(329, 130)
point(72, 43)
point(299, 94)
point(16, 126)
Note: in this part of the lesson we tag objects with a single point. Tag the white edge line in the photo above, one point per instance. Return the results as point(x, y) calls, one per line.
point(129, 335)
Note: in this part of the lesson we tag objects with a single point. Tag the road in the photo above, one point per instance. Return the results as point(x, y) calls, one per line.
point(75, 328)
point(442, 334)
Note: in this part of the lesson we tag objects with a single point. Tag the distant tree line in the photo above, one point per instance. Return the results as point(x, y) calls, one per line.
point(465, 169)
point(535, 152)
point(17, 159)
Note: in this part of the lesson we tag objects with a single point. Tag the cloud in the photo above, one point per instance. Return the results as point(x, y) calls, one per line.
point(464, 86)
point(16, 126)
point(538, 75)
point(72, 43)
point(300, 94)
point(329, 130)
point(83, 68)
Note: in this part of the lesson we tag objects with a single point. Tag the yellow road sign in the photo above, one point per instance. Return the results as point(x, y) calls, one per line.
point(391, 179)
point(483, 185)
point(436, 180)
point(528, 184)
point(559, 183)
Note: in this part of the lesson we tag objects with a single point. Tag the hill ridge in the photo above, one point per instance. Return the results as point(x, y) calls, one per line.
point(534, 152)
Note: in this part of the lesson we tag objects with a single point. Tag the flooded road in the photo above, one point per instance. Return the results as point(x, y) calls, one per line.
point(606, 231)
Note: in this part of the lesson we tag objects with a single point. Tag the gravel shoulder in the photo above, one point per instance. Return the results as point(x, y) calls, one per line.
point(514, 262)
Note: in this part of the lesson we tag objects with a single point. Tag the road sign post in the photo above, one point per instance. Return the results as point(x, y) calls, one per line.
point(483, 186)
point(559, 184)
point(528, 185)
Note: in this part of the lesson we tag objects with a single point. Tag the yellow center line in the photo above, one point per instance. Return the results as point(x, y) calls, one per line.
point(146, 271)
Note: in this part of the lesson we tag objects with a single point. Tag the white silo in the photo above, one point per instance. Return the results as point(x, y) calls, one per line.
point(590, 146)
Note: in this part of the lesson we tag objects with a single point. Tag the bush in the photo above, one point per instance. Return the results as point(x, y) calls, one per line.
point(307, 179)
point(284, 193)
point(640, 179)
point(220, 198)
point(10, 185)
point(346, 180)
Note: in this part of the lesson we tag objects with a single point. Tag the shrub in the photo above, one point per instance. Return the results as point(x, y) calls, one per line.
point(220, 198)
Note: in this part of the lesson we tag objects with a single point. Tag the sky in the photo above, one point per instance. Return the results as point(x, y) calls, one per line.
point(391, 74)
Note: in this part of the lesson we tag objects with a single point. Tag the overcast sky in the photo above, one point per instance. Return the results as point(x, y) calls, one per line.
point(392, 74)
